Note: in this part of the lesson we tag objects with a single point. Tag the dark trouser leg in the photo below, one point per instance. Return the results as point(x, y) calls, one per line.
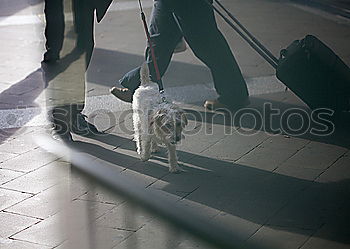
point(165, 34)
point(66, 78)
point(54, 30)
point(83, 14)
point(209, 45)
point(84, 27)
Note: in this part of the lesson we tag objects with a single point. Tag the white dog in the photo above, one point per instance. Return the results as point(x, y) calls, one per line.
point(156, 121)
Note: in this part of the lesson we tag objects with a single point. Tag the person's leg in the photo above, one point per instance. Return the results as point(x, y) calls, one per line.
point(165, 35)
point(209, 45)
point(54, 29)
point(83, 13)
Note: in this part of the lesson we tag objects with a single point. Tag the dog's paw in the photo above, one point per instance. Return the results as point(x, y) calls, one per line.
point(175, 169)
point(155, 150)
point(144, 158)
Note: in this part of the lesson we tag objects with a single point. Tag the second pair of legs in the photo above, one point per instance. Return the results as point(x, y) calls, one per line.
point(174, 20)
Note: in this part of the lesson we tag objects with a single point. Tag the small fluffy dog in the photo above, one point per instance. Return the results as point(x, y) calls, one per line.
point(156, 122)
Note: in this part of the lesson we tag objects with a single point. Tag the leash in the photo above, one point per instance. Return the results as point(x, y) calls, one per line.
point(153, 55)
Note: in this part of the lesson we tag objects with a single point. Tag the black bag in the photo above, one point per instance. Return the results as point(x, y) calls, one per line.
point(315, 74)
point(308, 67)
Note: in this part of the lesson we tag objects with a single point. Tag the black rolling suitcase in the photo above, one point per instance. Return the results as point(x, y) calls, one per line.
point(308, 67)
point(315, 74)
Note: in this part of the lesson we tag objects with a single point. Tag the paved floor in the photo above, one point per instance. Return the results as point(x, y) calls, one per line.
point(337, 7)
point(272, 184)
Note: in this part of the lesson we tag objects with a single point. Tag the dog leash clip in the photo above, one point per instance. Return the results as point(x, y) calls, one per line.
point(162, 95)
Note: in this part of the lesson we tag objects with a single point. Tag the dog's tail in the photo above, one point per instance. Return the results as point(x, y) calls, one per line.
point(144, 74)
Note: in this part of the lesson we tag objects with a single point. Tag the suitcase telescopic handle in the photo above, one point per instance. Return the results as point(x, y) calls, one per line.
point(250, 35)
point(246, 35)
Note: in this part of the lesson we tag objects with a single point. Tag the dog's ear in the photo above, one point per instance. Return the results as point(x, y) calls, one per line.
point(183, 118)
point(158, 118)
point(144, 74)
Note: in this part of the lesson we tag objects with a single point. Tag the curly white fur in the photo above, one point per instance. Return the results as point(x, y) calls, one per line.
point(148, 111)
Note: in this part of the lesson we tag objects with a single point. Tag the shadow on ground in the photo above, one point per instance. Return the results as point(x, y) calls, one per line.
point(23, 94)
point(262, 197)
point(292, 118)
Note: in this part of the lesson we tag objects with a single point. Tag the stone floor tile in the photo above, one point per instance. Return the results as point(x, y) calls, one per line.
point(124, 130)
point(78, 184)
point(251, 195)
point(167, 195)
point(155, 168)
point(44, 204)
point(126, 216)
point(12, 133)
point(298, 172)
point(121, 157)
point(190, 242)
point(140, 178)
point(26, 162)
point(234, 146)
point(7, 175)
point(95, 237)
point(316, 156)
point(204, 210)
point(40, 179)
point(14, 223)
point(19, 145)
point(110, 164)
point(5, 156)
point(54, 230)
point(17, 244)
point(240, 227)
point(309, 209)
point(154, 234)
point(339, 171)
point(171, 190)
point(103, 195)
point(105, 119)
point(280, 237)
point(50, 232)
point(184, 182)
point(335, 229)
point(104, 141)
point(266, 158)
point(284, 142)
point(81, 213)
point(10, 197)
point(316, 243)
point(200, 137)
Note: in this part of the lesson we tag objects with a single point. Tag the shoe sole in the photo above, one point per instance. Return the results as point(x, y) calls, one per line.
point(226, 107)
point(112, 91)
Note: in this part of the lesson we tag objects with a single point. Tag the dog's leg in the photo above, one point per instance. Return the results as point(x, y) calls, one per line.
point(138, 144)
point(173, 166)
point(154, 146)
point(146, 148)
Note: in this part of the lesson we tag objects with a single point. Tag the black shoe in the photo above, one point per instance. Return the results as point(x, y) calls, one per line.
point(51, 57)
point(216, 105)
point(62, 136)
point(82, 127)
point(123, 94)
